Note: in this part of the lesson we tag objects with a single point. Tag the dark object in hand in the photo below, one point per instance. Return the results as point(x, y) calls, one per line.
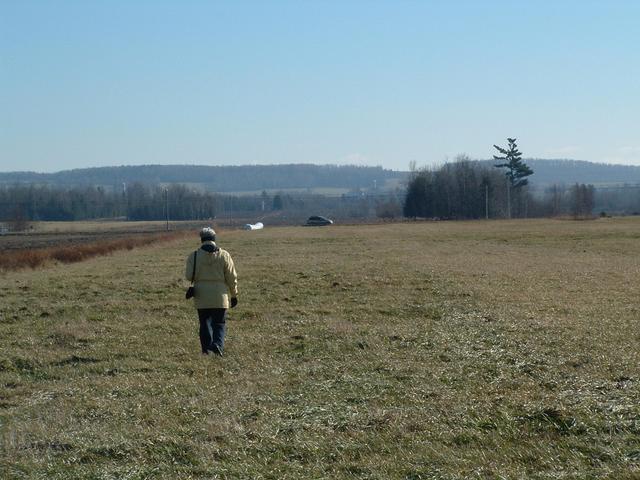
point(191, 291)
point(234, 302)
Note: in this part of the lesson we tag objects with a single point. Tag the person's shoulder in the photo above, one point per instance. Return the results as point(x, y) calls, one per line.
point(224, 253)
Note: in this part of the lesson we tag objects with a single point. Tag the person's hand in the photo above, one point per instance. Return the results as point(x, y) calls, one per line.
point(234, 302)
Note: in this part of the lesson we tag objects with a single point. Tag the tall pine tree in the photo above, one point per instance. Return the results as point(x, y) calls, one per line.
point(517, 170)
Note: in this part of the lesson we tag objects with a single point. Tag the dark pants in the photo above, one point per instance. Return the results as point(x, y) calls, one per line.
point(212, 328)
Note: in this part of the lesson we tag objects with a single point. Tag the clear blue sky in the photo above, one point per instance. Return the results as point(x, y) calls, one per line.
point(96, 83)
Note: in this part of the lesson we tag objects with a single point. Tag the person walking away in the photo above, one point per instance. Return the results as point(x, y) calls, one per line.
point(215, 283)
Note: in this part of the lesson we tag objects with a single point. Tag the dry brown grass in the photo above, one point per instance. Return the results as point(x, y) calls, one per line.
point(110, 226)
point(37, 257)
point(488, 350)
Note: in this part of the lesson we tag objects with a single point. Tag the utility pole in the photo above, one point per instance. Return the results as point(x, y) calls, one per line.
point(486, 201)
point(125, 201)
point(166, 202)
point(508, 198)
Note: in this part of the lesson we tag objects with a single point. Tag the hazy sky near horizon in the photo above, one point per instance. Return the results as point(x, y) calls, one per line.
point(86, 84)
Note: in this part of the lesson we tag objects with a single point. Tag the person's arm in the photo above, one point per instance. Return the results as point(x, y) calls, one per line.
point(188, 271)
point(231, 277)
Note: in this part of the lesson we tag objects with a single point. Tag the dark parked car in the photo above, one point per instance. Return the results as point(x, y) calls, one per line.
point(317, 221)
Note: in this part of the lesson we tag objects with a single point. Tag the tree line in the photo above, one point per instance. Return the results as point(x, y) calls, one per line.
point(467, 189)
point(21, 203)
point(136, 202)
point(463, 189)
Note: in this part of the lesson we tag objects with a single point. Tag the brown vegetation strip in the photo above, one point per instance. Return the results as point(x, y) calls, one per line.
point(36, 257)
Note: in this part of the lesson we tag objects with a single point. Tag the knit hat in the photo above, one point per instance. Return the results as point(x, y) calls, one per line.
point(207, 233)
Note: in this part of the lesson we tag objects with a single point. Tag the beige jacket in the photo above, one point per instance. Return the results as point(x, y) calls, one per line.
point(216, 280)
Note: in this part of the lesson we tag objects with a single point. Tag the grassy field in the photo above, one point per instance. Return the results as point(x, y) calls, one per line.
point(497, 350)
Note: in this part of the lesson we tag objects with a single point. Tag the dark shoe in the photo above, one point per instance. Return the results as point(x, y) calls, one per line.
point(216, 350)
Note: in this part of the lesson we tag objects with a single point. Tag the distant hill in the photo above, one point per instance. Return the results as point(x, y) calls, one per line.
point(302, 176)
point(547, 172)
point(217, 178)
